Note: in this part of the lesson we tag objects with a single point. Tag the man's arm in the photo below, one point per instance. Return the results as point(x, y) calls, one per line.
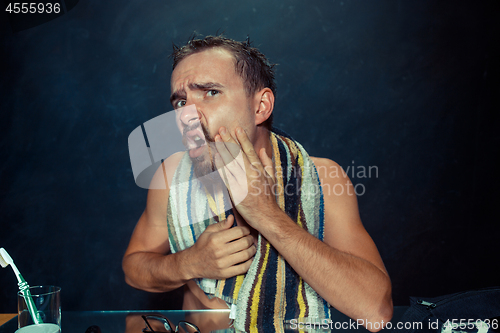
point(147, 263)
point(345, 269)
point(220, 251)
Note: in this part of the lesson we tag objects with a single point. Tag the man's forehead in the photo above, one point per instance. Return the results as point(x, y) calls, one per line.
point(212, 61)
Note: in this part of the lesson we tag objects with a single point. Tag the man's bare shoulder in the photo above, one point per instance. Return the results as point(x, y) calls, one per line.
point(166, 169)
point(322, 161)
point(340, 198)
point(171, 164)
point(159, 188)
point(329, 171)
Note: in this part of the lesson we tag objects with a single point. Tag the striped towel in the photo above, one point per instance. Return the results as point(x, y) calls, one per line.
point(270, 293)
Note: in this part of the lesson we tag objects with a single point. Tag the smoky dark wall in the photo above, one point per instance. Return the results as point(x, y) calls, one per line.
point(402, 94)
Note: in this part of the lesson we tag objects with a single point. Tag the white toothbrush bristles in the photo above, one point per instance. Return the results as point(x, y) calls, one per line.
point(5, 259)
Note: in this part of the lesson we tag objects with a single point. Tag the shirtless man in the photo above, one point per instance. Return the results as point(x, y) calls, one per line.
point(345, 269)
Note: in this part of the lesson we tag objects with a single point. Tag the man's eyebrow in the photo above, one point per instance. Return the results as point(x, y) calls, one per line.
point(205, 85)
point(177, 94)
point(194, 86)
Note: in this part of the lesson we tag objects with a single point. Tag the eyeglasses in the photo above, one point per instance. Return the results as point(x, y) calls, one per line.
point(182, 327)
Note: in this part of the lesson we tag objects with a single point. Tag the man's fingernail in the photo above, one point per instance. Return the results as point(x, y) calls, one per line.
point(217, 138)
point(223, 131)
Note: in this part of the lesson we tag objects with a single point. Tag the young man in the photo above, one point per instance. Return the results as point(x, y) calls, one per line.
point(286, 245)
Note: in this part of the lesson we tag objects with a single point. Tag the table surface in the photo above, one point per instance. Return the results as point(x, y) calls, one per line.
point(132, 322)
point(5, 317)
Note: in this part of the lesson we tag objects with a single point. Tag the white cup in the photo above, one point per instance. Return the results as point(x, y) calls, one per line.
point(40, 328)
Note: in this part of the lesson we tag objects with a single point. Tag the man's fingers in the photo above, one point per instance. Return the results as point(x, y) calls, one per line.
point(247, 146)
point(267, 162)
point(240, 245)
point(227, 232)
point(221, 168)
point(232, 171)
point(236, 259)
point(229, 156)
point(238, 269)
point(228, 223)
point(224, 225)
point(229, 142)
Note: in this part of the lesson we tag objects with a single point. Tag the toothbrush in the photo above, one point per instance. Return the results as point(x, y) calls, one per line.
point(6, 260)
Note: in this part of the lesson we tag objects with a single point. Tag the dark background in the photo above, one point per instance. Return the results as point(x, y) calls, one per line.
point(411, 87)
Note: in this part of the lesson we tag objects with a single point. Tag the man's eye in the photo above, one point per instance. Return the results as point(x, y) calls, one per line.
point(212, 92)
point(179, 104)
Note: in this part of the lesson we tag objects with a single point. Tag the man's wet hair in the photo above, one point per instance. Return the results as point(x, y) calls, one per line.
point(253, 66)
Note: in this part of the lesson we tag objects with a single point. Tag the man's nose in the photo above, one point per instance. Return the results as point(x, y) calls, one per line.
point(189, 114)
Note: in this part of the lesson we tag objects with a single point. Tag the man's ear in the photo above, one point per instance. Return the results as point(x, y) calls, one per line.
point(264, 104)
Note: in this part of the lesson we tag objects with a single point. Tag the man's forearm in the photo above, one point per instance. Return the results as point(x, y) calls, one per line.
point(351, 284)
point(154, 272)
